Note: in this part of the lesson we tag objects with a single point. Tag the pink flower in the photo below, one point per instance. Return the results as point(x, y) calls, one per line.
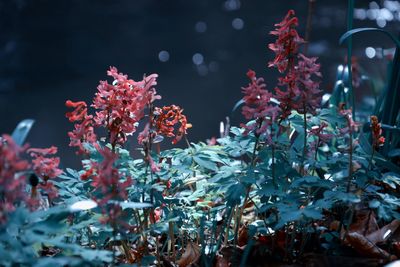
point(121, 105)
point(83, 131)
point(167, 119)
point(310, 94)
point(79, 112)
point(257, 104)
point(46, 168)
point(12, 178)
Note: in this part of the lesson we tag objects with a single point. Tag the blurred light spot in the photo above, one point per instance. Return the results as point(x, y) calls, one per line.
point(200, 27)
point(392, 5)
point(340, 68)
point(370, 52)
point(387, 233)
point(213, 66)
point(346, 90)
point(237, 23)
point(221, 128)
point(373, 5)
point(325, 98)
point(372, 14)
point(231, 5)
point(360, 13)
point(381, 22)
point(202, 70)
point(83, 205)
point(163, 56)
point(385, 14)
point(319, 48)
point(198, 58)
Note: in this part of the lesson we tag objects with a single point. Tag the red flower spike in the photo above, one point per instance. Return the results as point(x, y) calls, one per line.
point(12, 177)
point(257, 104)
point(287, 44)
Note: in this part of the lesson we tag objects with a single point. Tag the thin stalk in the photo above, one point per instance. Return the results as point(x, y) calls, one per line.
point(303, 157)
point(350, 12)
point(350, 160)
point(273, 159)
point(227, 229)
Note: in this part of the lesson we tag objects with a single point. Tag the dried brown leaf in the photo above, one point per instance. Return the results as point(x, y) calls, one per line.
point(191, 255)
point(364, 223)
point(365, 247)
point(384, 233)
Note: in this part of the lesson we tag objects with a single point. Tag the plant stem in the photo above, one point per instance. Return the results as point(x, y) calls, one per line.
point(350, 11)
point(303, 157)
point(350, 160)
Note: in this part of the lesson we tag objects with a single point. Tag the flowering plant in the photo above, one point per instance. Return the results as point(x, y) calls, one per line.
point(295, 179)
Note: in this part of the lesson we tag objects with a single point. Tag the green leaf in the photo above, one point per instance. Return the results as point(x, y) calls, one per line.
point(359, 30)
point(21, 131)
point(207, 164)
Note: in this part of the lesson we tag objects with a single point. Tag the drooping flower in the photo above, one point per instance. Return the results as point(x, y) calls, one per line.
point(377, 138)
point(352, 126)
point(257, 104)
point(12, 178)
point(166, 120)
point(287, 43)
point(83, 128)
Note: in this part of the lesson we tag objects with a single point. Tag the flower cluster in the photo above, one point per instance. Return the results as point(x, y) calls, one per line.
point(83, 131)
point(167, 118)
point(257, 104)
point(287, 44)
point(121, 105)
point(301, 91)
point(352, 126)
point(310, 94)
point(46, 167)
point(377, 138)
point(12, 179)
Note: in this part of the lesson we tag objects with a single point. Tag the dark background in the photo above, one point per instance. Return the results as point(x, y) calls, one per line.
point(54, 50)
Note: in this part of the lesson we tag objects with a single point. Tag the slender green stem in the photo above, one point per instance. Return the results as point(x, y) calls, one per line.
point(303, 157)
point(350, 160)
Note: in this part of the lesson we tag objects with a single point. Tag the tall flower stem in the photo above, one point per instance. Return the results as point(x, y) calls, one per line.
point(350, 11)
point(350, 160)
point(303, 157)
point(273, 159)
